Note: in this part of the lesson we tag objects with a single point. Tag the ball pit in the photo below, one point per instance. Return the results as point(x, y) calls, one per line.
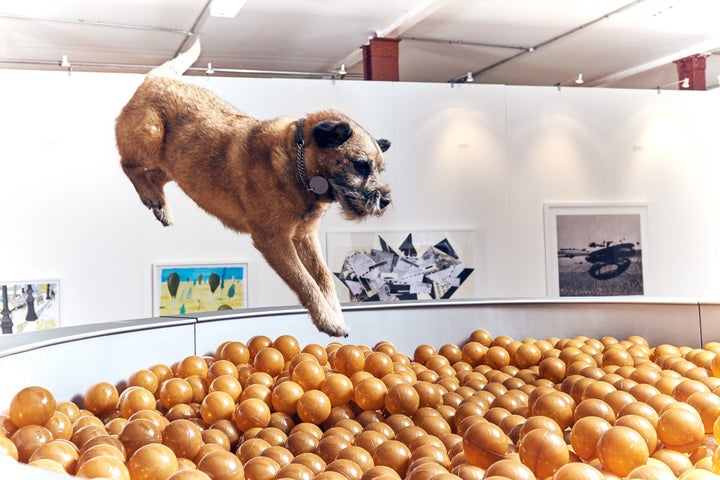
point(490, 407)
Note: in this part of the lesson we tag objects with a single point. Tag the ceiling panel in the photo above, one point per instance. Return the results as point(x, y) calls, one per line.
point(614, 43)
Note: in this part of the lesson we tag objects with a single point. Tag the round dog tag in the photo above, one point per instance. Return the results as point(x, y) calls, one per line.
point(318, 185)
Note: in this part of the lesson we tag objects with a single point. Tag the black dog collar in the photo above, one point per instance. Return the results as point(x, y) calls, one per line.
point(317, 184)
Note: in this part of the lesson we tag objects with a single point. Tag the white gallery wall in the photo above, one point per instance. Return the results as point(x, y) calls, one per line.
point(467, 157)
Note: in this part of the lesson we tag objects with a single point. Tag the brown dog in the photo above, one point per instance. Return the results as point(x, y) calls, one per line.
point(253, 174)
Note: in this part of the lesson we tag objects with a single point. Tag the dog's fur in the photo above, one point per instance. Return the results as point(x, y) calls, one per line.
point(243, 171)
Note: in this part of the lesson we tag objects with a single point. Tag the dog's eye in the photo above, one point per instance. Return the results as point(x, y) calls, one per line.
point(362, 166)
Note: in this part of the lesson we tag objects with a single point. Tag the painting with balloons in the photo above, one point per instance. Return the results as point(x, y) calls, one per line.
point(181, 289)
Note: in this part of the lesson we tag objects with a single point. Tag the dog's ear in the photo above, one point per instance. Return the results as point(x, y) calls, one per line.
point(329, 134)
point(384, 144)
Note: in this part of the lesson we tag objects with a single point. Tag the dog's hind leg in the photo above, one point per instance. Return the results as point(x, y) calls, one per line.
point(149, 186)
point(279, 251)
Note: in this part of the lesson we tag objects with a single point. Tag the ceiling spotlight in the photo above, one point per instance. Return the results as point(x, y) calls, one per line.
point(469, 78)
point(685, 83)
point(342, 71)
point(209, 70)
point(579, 80)
point(64, 62)
point(226, 8)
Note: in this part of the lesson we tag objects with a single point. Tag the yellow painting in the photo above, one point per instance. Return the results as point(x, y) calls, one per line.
point(187, 289)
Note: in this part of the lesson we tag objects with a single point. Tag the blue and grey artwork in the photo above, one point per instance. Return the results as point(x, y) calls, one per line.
point(388, 274)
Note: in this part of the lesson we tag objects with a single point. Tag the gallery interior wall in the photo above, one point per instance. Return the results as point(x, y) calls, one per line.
point(465, 157)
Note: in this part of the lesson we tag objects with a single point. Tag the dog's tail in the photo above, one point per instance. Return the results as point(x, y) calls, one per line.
point(178, 65)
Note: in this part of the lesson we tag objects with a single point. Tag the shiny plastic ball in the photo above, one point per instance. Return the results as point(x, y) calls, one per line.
point(585, 434)
point(543, 451)
point(183, 437)
point(152, 462)
point(32, 406)
point(370, 394)
point(484, 443)
point(578, 471)
point(621, 449)
point(393, 454)
point(314, 407)
point(221, 465)
point(134, 399)
point(680, 429)
point(29, 438)
point(138, 433)
point(269, 360)
point(104, 467)
point(252, 412)
point(261, 468)
point(309, 374)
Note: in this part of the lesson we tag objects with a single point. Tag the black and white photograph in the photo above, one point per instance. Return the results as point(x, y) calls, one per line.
point(597, 251)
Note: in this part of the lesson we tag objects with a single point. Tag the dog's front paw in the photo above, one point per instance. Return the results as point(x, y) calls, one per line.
point(163, 215)
point(335, 327)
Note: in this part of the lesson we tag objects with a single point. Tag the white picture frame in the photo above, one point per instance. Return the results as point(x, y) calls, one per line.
point(595, 249)
point(45, 310)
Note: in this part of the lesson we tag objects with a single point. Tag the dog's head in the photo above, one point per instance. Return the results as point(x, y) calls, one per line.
point(351, 160)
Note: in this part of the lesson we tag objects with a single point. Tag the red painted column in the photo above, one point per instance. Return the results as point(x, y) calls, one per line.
point(693, 68)
point(380, 59)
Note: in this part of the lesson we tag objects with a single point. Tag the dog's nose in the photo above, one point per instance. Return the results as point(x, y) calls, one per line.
point(384, 202)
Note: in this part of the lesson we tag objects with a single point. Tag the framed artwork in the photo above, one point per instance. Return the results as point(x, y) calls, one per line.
point(181, 289)
point(390, 266)
point(595, 250)
point(29, 306)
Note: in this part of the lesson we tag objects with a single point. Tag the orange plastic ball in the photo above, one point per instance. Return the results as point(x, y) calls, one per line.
point(558, 406)
point(61, 451)
point(144, 378)
point(261, 468)
point(183, 437)
point(235, 352)
point(543, 451)
point(257, 343)
point(134, 399)
point(585, 434)
point(101, 398)
point(370, 394)
point(680, 428)
point(192, 365)
point(484, 443)
point(138, 433)
point(252, 412)
point(29, 438)
point(221, 465)
point(295, 471)
point(105, 467)
point(217, 406)
point(393, 454)
point(152, 462)
point(287, 345)
point(309, 374)
point(578, 471)
point(8, 448)
point(32, 406)
point(269, 360)
point(285, 396)
point(314, 407)
point(60, 426)
point(188, 474)
point(348, 359)
point(643, 427)
point(621, 449)
point(402, 398)
point(175, 391)
point(510, 469)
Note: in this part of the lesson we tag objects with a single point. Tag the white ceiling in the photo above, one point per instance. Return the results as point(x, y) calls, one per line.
point(613, 43)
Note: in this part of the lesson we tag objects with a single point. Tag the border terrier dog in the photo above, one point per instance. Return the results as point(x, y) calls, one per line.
point(273, 179)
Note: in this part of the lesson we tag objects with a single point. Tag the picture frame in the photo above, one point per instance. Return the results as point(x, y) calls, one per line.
point(30, 305)
point(595, 249)
point(180, 288)
point(407, 265)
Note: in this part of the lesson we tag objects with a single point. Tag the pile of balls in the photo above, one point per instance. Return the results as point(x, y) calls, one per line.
point(493, 409)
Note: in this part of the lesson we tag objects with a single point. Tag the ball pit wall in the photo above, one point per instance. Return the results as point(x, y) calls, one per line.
point(68, 360)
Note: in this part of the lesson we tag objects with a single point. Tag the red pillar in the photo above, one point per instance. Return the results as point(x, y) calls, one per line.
point(693, 68)
point(380, 59)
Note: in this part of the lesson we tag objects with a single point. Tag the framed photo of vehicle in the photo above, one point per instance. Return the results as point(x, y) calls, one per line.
point(595, 249)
